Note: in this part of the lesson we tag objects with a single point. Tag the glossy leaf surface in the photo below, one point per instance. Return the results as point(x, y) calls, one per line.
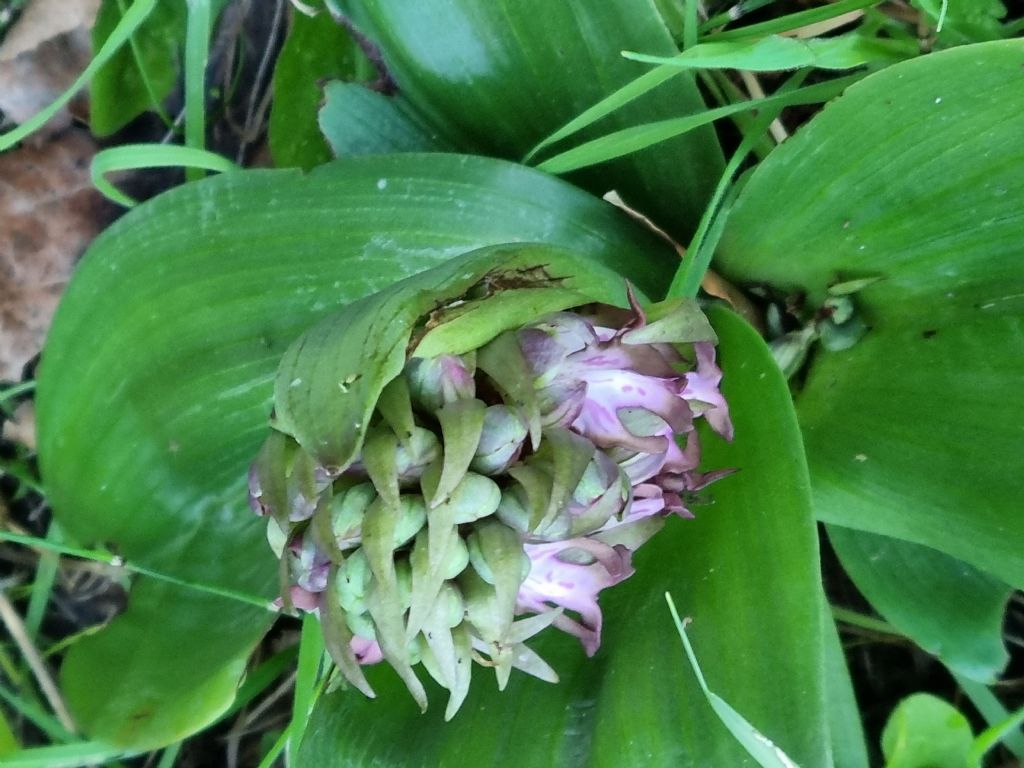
point(317, 48)
point(148, 423)
point(140, 75)
point(926, 732)
point(356, 120)
point(500, 75)
point(948, 607)
point(637, 702)
point(910, 177)
point(167, 666)
point(894, 452)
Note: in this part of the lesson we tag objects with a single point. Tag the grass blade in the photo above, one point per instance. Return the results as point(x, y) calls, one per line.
point(691, 24)
point(993, 711)
point(757, 745)
point(197, 55)
point(620, 98)
point(8, 741)
point(737, 11)
point(9, 393)
point(135, 156)
point(42, 586)
point(687, 280)
point(774, 53)
point(15, 627)
point(791, 21)
point(115, 560)
point(690, 275)
point(169, 756)
point(259, 680)
point(36, 715)
point(77, 755)
point(311, 654)
point(640, 137)
point(122, 32)
point(992, 735)
point(279, 745)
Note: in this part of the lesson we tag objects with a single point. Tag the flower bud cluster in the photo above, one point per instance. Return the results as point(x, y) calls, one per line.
point(496, 493)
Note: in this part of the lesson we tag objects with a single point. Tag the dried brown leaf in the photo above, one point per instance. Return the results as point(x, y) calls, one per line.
point(49, 213)
point(713, 284)
point(42, 55)
point(46, 19)
point(20, 428)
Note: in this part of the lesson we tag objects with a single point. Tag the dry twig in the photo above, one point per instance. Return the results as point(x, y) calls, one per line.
point(16, 629)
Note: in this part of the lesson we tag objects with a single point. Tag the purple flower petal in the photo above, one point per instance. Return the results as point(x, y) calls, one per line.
point(570, 574)
point(256, 491)
point(303, 599)
point(443, 379)
point(309, 564)
point(609, 392)
point(703, 392)
point(366, 651)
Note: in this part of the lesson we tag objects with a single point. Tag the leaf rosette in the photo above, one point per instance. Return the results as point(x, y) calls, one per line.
point(470, 456)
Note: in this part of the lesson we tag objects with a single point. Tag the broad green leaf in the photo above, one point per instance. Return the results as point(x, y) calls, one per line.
point(959, 22)
point(911, 178)
point(142, 74)
point(316, 48)
point(773, 53)
point(946, 606)
point(926, 732)
point(356, 120)
point(636, 702)
point(164, 668)
point(500, 75)
point(188, 303)
point(890, 453)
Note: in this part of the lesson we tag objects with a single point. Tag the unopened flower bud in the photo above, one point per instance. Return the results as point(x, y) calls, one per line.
point(435, 381)
point(501, 442)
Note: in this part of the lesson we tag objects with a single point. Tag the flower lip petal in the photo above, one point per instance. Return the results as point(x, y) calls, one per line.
point(303, 598)
point(702, 386)
point(609, 395)
point(573, 586)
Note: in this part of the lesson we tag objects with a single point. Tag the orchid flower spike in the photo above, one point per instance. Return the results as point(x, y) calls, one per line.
point(492, 488)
